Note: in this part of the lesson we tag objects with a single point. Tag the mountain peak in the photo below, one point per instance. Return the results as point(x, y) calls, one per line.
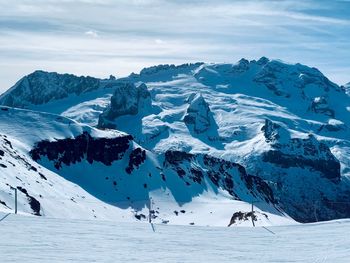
point(198, 114)
point(127, 99)
point(40, 87)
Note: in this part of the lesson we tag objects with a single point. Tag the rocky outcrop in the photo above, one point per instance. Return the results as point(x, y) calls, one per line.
point(34, 204)
point(243, 216)
point(198, 115)
point(127, 99)
point(73, 150)
point(320, 105)
point(41, 87)
point(136, 158)
point(241, 67)
point(303, 174)
point(297, 152)
point(333, 125)
point(269, 77)
point(272, 131)
point(223, 174)
point(164, 72)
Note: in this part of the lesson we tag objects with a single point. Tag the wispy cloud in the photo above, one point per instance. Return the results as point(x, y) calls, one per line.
point(125, 35)
point(91, 33)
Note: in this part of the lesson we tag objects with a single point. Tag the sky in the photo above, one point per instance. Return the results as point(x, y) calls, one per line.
point(103, 37)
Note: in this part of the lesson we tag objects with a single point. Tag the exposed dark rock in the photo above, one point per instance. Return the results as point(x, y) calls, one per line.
point(149, 71)
point(181, 172)
point(268, 76)
point(73, 150)
point(136, 158)
point(163, 177)
point(320, 105)
point(219, 171)
point(3, 203)
point(140, 216)
point(23, 190)
point(34, 204)
point(241, 67)
point(271, 131)
point(196, 175)
point(258, 185)
point(42, 176)
point(173, 157)
point(127, 99)
point(305, 153)
point(263, 61)
point(289, 152)
point(242, 216)
point(41, 87)
point(198, 114)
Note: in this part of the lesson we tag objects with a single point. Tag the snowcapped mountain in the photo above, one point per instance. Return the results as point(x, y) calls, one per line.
point(65, 169)
point(204, 139)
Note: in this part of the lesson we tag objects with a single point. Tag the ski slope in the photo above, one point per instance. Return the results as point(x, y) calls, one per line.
point(36, 239)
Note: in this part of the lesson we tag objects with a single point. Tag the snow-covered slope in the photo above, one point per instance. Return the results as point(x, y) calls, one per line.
point(65, 169)
point(262, 130)
point(64, 240)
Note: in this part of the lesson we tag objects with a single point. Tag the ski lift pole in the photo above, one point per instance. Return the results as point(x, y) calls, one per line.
point(253, 214)
point(150, 214)
point(15, 200)
point(149, 211)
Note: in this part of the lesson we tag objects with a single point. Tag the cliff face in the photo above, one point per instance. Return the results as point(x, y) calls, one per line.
point(304, 175)
point(127, 99)
point(70, 151)
point(198, 114)
point(295, 152)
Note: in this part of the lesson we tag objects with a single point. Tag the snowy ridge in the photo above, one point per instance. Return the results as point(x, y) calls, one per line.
point(41, 87)
point(264, 131)
point(119, 177)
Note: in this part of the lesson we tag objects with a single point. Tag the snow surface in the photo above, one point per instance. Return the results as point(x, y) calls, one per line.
point(35, 239)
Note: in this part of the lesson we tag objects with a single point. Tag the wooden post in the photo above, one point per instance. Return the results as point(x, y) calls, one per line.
point(15, 200)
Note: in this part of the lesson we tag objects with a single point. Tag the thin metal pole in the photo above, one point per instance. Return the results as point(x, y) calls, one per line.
point(150, 214)
point(315, 212)
point(15, 200)
point(149, 210)
point(253, 213)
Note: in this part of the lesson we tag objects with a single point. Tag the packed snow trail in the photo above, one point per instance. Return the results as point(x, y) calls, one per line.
point(57, 240)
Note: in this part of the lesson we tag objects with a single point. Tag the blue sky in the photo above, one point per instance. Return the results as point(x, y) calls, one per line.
point(102, 37)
